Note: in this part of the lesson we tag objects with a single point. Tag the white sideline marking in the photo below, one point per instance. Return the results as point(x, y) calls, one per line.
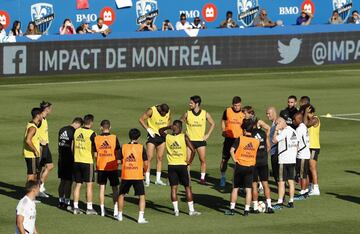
point(176, 77)
point(339, 116)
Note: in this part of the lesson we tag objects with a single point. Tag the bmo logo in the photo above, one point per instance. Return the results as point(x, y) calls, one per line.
point(4, 19)
point(108, 14)
point(308, 6)
point(293, 10)
point(88, 17)
point(190, 13)
point(209, 12)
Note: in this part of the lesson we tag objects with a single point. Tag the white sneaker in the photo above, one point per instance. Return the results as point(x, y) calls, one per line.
point(176, 213)
point(159, 182)
point(194, 213)
point(43, 194)
point(147, 183)
point(314, 192)
point(142, 221)
point(119, 218)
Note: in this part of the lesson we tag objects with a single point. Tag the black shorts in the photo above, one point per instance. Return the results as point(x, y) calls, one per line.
point(243, 176)
point(314, 154)
point(157, 140)
point(261, 172)
point(46, 156)
point(286, 172)
point(104, 176)
point(137, 184)
point(228, 143)
point(178, 174)
point(198, 144)
point(275, 167)
point(83, 172)
point(32, 165)
point(302, 168)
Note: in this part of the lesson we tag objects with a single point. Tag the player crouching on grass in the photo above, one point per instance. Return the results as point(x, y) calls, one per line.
point(287, 140)
point(178, 161)
point(243, 152)
point(134, 165)
point(107, 147)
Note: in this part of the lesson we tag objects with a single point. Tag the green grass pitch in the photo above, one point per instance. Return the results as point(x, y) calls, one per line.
point(122, 98)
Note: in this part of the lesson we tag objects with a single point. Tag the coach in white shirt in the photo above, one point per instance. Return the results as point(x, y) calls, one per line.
point(26, 210)
point(183, 24)
point(100, 27)
point(287, 141)
point(303, 156)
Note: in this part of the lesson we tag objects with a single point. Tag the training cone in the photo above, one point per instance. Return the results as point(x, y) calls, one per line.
point(328, 115)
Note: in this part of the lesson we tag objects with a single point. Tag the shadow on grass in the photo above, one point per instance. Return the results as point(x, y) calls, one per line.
point(348, 198)
point(353, 172)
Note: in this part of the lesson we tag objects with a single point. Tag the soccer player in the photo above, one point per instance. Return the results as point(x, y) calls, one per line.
point(46, 163)
point(31, 145)
point(178, 161)
point(134, 164)
point(26, 209)
point(84, 147)
point(313, 123)
point(289, 112)
point(261, 169)
point(243, 152)
point(287, 140)
point(152, 120)
point(303, 156)
point(107, 148)
point(272, 116)
point(195, 120)
point(231, 129)
point(66, 161)
point(304, 100)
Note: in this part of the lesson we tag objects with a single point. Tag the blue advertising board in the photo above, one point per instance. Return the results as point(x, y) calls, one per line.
point(125, 15)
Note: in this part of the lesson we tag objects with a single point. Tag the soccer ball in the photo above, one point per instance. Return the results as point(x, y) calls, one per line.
point(262, 207)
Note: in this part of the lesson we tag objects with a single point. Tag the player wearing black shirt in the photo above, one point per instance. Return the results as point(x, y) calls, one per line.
point(289, 112)
point(66, 161)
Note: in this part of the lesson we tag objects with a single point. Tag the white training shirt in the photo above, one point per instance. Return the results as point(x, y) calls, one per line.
point(287, 146)
point(180, 26)
point(304, 143)
point(96, 28)
point(27, 208)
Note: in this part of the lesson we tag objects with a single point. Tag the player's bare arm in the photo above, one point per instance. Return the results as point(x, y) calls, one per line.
point(30, 134)
point(192, 149)
point(212, 126)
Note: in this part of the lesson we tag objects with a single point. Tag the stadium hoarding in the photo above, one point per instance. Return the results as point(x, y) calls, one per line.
point(182, 52)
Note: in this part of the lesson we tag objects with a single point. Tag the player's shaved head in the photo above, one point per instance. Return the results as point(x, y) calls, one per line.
point(271, 113)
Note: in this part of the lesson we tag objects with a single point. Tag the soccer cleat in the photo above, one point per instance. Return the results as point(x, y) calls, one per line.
point(176, 213)
point(194, 213)
point(278, 206)
point(61, 205)
point(91, 212)
point(230, 212)
point(142, 221)
point(202, 181)
point(119, 218)
point(147, 183)
point(246, 213)
point(43, 194)
point(290, 205)
point(255, 211)
point(314, 192)
point(299, 197)
point(269, 210)
point(222, 182)
point(159, 182)
point(102, 213)
point(77, 211)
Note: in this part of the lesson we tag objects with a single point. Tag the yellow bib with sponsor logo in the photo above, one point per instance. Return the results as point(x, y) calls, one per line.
point(27, 152)
point(156, 121)
point(176, 149)
point(196, 125)
point(83, 152)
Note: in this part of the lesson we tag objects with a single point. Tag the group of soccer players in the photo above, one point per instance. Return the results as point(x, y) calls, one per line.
point(292, 141)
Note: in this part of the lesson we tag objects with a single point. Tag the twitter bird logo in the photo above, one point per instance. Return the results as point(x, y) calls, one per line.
point(290, 52)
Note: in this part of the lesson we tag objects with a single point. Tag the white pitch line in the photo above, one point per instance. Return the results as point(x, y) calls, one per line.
point(349, 114)
point(341, 118)
point(177, 77)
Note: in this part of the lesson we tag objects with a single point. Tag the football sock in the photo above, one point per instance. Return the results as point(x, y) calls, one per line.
point(268, 202)
point(202, 175)
point(255, 204)
point(175, 205)
point(232, 205)
point(280, 201)
point(147, 176)
point(158, 175)
point(191, 206)
point(89, 206)
point(76, 205)
point(247, 207)
point(102, 207)
point(141, 215)
point(291, 199)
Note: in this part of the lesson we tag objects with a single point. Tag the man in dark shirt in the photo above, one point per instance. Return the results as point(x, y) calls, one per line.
point(66, 161)
point(289, 112)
